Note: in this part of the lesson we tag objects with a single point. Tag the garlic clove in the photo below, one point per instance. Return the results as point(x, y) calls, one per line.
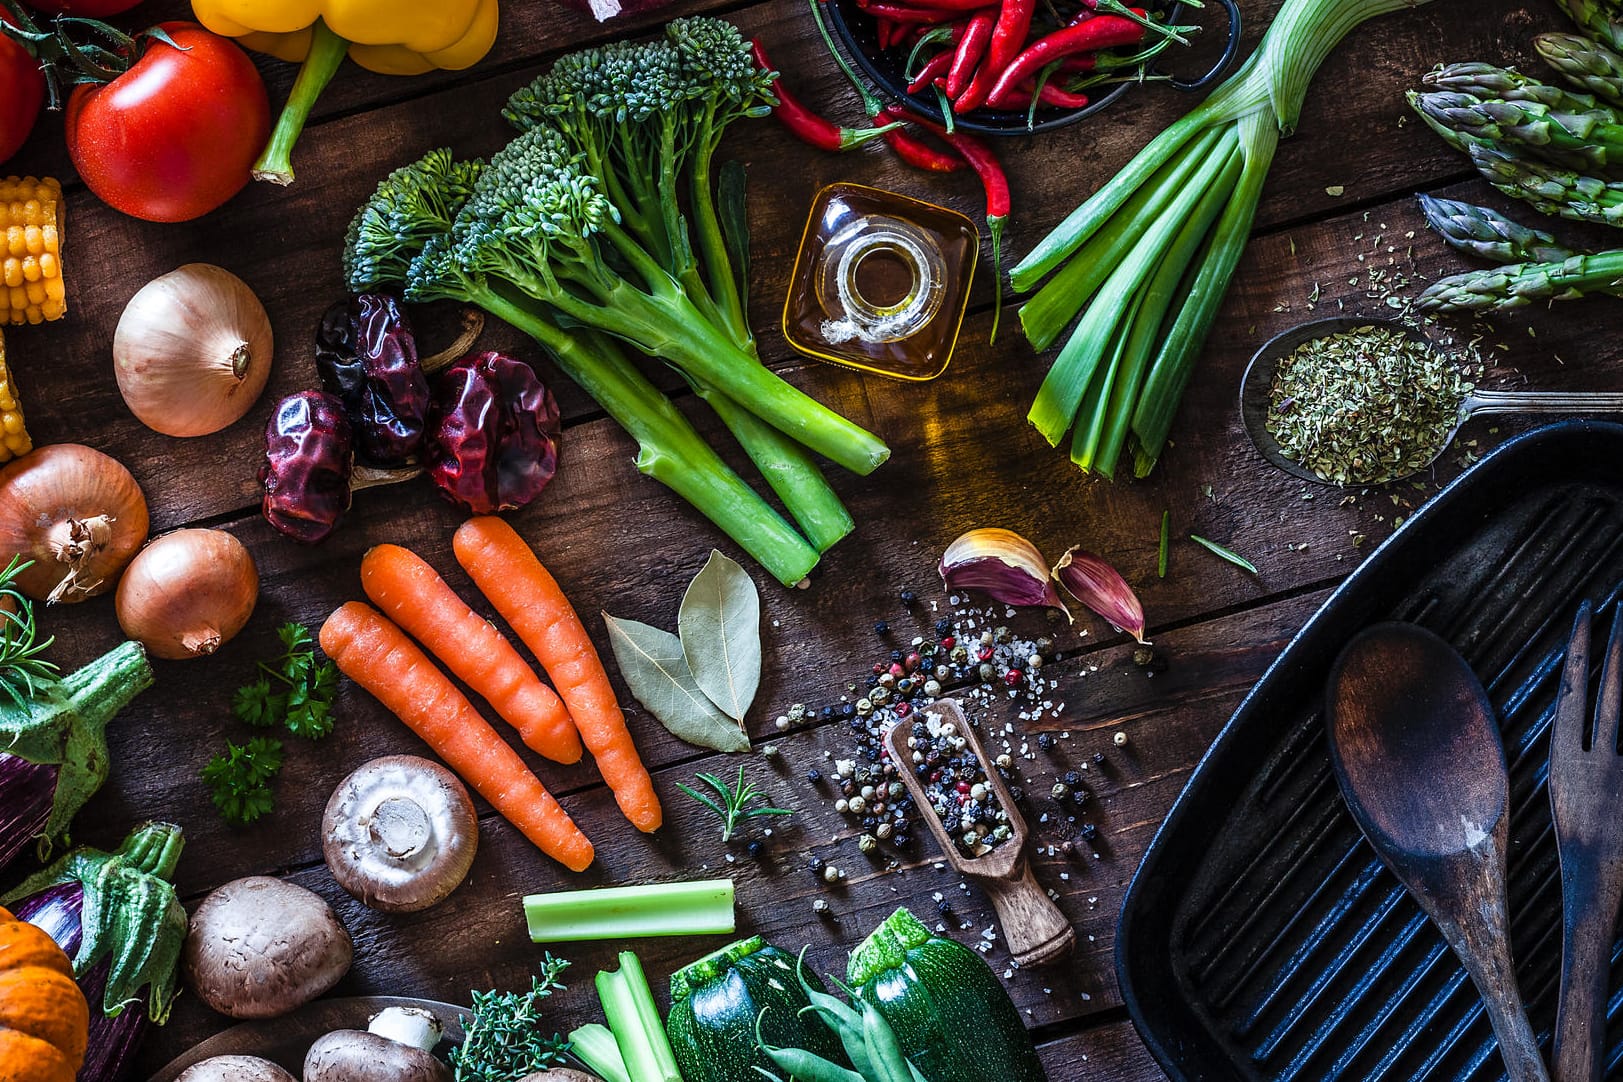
point(1003, 565)
point(1100, 588)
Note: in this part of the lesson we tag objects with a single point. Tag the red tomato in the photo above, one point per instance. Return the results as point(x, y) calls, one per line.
point(173, 137)
point(22, 90)
point(86, 9)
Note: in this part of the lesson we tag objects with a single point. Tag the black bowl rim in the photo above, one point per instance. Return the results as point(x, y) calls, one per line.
point(1015, 124)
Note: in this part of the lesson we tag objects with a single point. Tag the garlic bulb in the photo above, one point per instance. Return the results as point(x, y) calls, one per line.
point(192, 351)
point(1004, 565)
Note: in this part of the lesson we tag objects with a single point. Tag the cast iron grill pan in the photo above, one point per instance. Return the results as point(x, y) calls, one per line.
point(1262, 938)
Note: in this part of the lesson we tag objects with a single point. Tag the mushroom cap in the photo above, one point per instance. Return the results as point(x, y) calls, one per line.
point(353, 1055)
point(260, 947)
point(400, 833)
point(234, 1069)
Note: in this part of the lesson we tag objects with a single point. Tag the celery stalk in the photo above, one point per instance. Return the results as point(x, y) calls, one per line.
point(639, 1032)
point(596, 1047)
point(702, 907)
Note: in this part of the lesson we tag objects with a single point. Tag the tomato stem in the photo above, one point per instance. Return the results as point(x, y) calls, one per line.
point(327, 51)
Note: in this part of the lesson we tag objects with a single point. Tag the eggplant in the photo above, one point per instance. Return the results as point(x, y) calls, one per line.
point(117, 916)
point(55, 736)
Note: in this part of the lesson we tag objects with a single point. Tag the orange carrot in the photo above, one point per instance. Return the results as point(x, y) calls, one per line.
point(413, 595)
point(377, 655)
point(528, 598)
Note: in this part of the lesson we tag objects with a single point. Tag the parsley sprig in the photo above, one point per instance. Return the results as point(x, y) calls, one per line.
point(293, 691)
point(736, 803)
point(503, 1041)
point(241, 778)
point(301, 697)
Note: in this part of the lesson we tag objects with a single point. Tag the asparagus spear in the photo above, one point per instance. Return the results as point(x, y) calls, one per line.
point(1584, 62)
point(1489, 82)
point(1550, 189)
point(1504, 288)
point(1483, 232)
point(1600, 19)
point(1590, 140)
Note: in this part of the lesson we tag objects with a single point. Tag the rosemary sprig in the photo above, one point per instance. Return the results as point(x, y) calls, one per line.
point(21, 666)
point(1228, 554)
point(1166, 537)
point(734, 803)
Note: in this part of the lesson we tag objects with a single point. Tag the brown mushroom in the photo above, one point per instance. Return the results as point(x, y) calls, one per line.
point(259, 947)
point(400, 833)
point(234, 1069)
point(395, 1047)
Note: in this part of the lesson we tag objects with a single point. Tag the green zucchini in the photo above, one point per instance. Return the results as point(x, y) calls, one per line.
point(716, 1001)
point(949, 1011)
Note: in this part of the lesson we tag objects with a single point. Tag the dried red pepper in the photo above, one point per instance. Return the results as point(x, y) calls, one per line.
point(366, 355)
point(493, 434)
point(309, 454)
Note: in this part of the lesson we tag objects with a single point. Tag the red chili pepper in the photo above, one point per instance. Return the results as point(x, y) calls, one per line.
point(1020, 98)
point(811, 128)
point(886, 31)
point(961, 7)
point(994, 182)
point(918, 153)
point(902, 14)
point(935, 68)
point(1008, 36)
point(1088, 36)
point(971, 47)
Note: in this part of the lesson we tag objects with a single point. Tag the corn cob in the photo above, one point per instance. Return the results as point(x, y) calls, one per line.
point(14, 440)
point(31, 289)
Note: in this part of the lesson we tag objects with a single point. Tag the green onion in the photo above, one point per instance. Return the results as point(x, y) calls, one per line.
point(1166, 536)
point(634, 1019)
point(1228, 554)
point(703, 907)
point(596, 1047)
point(1147, 259)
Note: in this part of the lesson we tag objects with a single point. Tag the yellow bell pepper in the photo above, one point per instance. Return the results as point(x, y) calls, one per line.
point(388, 36)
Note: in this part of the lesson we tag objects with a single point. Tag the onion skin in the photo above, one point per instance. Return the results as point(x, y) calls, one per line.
point(187, 593)
point(75, 512)
point(192, 351)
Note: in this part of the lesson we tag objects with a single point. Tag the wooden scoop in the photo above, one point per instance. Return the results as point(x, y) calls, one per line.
point(1417, 752)
point(1036, 931)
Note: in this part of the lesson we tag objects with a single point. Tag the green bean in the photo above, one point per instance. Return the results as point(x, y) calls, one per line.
point(808, 1067)
point(889, 1063)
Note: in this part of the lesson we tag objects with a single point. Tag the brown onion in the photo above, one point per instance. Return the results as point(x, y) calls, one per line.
point(188, 592)
point(192, 351)
point(76, 513)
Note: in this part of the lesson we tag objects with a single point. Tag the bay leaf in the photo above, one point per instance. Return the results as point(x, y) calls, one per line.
point(720, 627)
point(653, 666)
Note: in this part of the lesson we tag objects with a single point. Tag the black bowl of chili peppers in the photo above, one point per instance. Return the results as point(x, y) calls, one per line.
point(1010, 67)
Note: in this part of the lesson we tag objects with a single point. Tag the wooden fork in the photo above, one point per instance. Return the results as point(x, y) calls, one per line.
point(1586, 796)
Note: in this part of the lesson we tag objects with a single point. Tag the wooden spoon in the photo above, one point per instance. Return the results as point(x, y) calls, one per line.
point(1417, 753)
point(1036, 931)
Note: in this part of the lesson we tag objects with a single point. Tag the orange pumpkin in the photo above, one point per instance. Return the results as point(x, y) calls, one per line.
point(44, 1019)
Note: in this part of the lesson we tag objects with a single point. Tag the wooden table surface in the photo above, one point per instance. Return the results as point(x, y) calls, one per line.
point(1338, 213)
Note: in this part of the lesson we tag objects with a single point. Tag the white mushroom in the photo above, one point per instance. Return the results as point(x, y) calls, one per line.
point(234, 1069)
point(395, 1047)
point(260, 947)
point(400, 833)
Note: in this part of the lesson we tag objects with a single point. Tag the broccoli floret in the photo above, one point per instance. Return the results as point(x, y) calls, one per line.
point(412, 204)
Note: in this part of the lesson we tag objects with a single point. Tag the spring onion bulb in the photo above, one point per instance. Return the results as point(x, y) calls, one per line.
point(702, 907)
point(1147, 259)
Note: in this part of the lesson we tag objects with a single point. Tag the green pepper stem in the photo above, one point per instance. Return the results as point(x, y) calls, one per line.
point(327, 52)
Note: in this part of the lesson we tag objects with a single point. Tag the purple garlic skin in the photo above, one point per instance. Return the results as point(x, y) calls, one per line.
point(309, 453)
point(492, 434)
point(1101, 589)
point(1001, 564)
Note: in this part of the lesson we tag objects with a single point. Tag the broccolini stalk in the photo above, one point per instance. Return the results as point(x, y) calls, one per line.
point(1483, 232)
point(647, 119)
point(1584, 63)
point(402, 235)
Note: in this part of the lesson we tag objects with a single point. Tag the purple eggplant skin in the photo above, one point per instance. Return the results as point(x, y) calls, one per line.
point(113, 1041)
point(27, 790)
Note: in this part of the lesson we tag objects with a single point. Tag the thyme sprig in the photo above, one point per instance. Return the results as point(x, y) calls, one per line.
point(503, 1040)
point(22, 669)
point(733, 803)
